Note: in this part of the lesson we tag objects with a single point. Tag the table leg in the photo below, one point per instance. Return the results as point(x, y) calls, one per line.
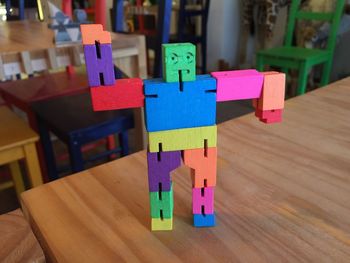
point(39, 147)
point(17, 177)
point(46, 146)
point(123, 142)
point(32, 163)
point(75, 155)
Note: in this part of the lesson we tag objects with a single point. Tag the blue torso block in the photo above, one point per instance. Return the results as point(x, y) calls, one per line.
point(178, 105)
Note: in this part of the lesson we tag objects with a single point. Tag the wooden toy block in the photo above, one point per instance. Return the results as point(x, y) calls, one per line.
point(125, 93)
point(94, 33)
point(272, 95)
point(203, 200)
point(162, 204)
point(178, 105)
point(160, 165)
point(203, 163)
point(200, 220)
point(99, 65)
point(158, 224)
point(238, 84)
point(269, 116)
point(182, 139)
point(179, 62)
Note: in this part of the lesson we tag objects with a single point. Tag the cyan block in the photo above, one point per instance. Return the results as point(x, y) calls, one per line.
point(176, 105)
point(200, 220)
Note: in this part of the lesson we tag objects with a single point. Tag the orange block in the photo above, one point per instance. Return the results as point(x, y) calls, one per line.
point(272, 95)
point(92, 33)
point(203, 166)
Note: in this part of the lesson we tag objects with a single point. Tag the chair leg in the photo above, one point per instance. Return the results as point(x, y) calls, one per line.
point(17, 177)
point(327, 67)
point(259, 63)
point(124, 143)
point(302, 80)
point(75, 155)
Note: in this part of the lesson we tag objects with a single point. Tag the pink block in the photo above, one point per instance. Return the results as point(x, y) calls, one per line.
point(203, 197)
point(238, 84)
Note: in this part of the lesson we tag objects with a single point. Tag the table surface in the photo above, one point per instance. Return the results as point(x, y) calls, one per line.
point(43, 87)
point(18, 36)
point(13, 130)
point(17, 241)
point(282, 195)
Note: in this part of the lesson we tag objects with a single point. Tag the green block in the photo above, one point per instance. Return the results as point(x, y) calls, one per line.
point(162, 201)
point(179, 59)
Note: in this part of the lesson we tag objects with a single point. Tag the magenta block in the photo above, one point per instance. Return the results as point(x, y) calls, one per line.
point(238, 84)
point(99, 65)
point(160, 166)
point(203, 197)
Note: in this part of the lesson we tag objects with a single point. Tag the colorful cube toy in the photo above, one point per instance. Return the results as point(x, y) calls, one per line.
point(180, 116)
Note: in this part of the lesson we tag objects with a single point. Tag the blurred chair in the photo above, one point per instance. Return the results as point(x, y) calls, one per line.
point(303, 59)
point(155, 38)
point(17, 142)
point(186, 27)
point(74, 122)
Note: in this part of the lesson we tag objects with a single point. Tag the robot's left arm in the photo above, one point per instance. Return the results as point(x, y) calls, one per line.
point(267, 89)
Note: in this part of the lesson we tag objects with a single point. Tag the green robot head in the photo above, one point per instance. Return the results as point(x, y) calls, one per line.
point(179, 62)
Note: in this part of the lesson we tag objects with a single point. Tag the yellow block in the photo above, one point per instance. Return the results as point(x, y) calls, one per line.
point(182, 139)
point(161, 225)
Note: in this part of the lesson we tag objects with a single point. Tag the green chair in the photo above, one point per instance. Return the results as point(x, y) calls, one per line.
point(303, 59)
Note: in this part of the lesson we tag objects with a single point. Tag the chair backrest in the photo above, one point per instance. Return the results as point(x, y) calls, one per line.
point(20, 4)
point(187, 13)
point(333, 18)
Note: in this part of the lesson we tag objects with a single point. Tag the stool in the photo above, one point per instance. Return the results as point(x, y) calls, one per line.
point(17, 141)
point(72, 120)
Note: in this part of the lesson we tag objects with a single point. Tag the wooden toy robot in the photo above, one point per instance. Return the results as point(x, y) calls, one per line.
point(180, 116)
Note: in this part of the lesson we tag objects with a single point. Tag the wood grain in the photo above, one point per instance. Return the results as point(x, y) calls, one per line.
point(17, 241)
point(282, 195)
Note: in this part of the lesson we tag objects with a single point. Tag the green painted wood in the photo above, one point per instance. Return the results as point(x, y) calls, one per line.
point(315, 16)
point(290, 57)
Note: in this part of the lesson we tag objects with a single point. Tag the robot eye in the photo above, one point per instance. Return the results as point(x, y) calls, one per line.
point(173, 59)
point(189, 57)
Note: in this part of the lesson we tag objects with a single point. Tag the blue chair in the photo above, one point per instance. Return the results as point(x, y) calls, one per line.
point(185, 18)
point(153, 42)
point(73, 121)
point(20, 5)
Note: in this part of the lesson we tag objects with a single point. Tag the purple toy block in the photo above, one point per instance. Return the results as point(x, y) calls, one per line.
point(238, 84)
point(99, 64)
point(203, 197)
point(159, 167)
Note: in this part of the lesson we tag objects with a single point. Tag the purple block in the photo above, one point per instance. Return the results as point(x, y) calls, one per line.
point(98, 59)
point(159, 167)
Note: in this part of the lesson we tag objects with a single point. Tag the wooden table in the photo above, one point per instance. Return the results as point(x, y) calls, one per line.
point(17, 241)
point(282, 195)
point(27, 47)
point(17, 141)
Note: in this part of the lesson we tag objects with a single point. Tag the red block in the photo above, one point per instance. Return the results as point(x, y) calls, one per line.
point(269, 116)
point(125, 93)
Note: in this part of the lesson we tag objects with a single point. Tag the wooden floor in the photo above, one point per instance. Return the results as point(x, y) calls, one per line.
point(225, 111)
